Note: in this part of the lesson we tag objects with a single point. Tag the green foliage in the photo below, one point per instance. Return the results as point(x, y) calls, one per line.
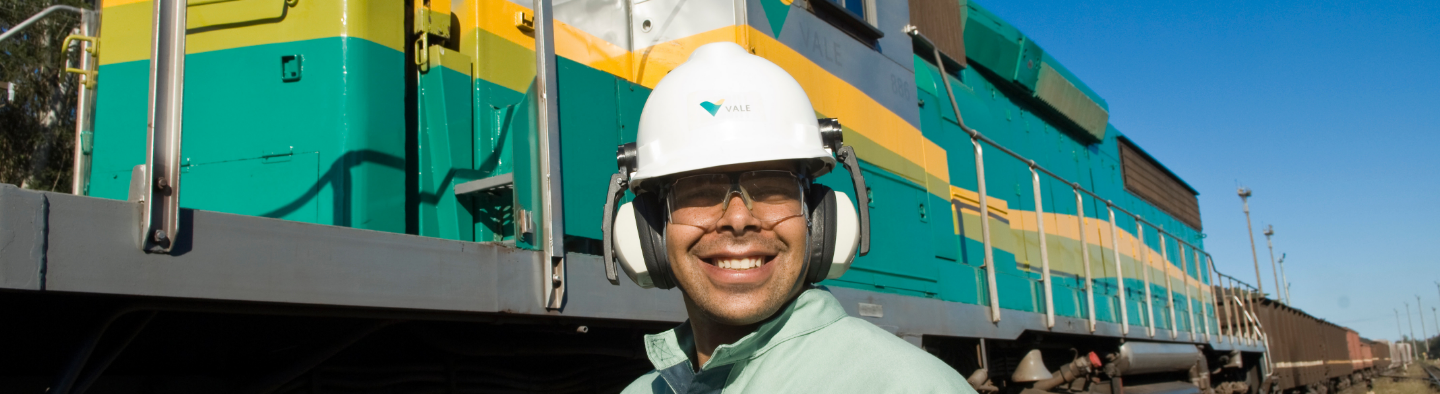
point(37, 128)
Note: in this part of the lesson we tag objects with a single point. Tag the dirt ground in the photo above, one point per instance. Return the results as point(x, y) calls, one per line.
point(1385, 385)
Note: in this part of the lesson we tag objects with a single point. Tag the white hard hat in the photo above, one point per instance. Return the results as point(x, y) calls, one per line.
point(726, 106)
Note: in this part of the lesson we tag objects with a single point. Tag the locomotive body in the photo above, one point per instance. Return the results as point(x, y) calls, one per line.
point(428, 118)
point(324, 113)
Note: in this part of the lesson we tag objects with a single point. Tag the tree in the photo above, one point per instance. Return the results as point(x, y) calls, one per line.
point(37, 128)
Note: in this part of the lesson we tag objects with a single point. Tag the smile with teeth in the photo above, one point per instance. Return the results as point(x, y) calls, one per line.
point(740, 263)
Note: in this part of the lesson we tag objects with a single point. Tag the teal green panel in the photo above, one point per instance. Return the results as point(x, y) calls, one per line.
point(943, 240)
point(589, 134)
point(285, 178)
point(960, 283)
point(522, 136)
point(991, 42)
point(495, 108)
point(120, 127)
point(445, 150)
point(1067, 301)
point(898, 258)
point(347, 109)
point(631, 101)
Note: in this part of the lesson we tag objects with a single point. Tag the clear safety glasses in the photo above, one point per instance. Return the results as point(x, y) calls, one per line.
point(771, 196)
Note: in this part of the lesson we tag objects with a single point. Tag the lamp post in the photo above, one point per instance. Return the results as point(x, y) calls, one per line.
point(1244, 193)
point(1274, 273)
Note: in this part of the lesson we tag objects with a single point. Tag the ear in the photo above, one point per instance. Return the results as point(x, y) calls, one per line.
point(847, 235)
point(628, 249)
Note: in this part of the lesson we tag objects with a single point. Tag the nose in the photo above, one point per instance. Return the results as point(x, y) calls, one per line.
point(737, 218)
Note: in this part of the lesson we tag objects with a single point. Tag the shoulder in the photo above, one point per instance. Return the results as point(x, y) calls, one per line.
point(650, 382)
point(869, 351)
point(886, 351)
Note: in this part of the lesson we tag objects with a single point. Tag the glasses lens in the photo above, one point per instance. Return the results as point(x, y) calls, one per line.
point(701, 200)
point(774, 195)
point(697, 200)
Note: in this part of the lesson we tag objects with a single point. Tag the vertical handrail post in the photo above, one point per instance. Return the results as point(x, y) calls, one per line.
point(1144, 258)
point(1044, 251)
point(1225, 330)
point(1231, 304)
point(1203, 292)
point(1085, 257)
point(1190, 298)
point(1119, 269)
point(985, 230)
point(85, 104)
point(548, 128)
point(161, 205)
point(1169, 288)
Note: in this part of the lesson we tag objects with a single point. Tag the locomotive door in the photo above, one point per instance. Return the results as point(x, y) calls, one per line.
point(444, 133)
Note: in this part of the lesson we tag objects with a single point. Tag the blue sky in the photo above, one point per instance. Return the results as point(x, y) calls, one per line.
point(1327, 109)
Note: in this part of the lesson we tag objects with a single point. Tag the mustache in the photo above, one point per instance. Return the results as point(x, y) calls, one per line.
point(719, 243)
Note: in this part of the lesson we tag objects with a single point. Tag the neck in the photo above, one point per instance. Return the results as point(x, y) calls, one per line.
point(710, 334)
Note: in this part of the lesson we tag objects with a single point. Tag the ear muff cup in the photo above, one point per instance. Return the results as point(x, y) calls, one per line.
point(820, 199)
point(650, 224)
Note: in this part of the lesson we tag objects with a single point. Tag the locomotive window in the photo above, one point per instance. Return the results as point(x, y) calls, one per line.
point(854, 17)
point(854, 7)
point(1147, 179)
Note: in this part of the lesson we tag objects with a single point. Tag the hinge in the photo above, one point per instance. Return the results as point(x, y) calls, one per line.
point(435, 23)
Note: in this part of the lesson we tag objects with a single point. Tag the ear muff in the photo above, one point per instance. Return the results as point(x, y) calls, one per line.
point(650, 228)
point(821, 249)
point(847, 235)
point(627, 246)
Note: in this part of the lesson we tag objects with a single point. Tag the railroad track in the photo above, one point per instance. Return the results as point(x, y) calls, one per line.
point(1434, 373)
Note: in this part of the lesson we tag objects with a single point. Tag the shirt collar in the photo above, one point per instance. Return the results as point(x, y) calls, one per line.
point(814, 309)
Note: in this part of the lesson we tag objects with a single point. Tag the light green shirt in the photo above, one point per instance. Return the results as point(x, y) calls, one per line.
point(811, 346)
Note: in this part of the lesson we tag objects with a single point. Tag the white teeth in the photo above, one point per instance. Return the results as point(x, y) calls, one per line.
point(740, 264)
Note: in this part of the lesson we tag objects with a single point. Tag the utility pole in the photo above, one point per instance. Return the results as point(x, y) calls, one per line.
point(1421, 311)
point(1424, 336)
point(1398, 330)
point(1412, 329)
point(1284, 279)
point(1244, 193)
point(1436, 316)
point(1269, 231)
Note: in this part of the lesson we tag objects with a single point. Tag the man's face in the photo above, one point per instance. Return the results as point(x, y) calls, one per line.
point(737, 240)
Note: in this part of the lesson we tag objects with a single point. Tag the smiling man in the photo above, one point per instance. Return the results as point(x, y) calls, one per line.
point(727, 210)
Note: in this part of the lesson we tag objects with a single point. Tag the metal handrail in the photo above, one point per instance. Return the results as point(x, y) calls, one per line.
point(977, 138)
point(36, 18)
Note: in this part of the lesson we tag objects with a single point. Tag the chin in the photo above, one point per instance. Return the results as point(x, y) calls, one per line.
point(742, 309)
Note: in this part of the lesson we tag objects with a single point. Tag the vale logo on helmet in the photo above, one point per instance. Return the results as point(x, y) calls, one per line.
point(714, 107)
point(711, 107)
